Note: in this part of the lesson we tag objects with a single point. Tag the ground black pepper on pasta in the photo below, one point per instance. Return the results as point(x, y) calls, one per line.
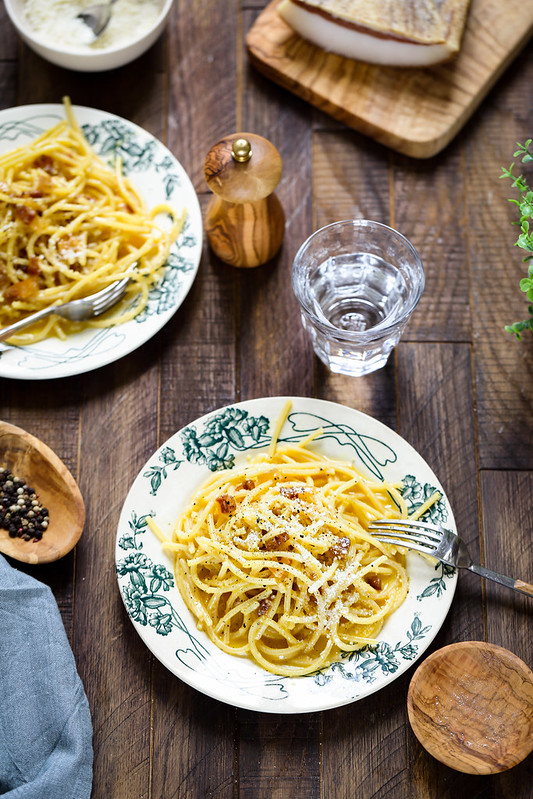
point(21, 513)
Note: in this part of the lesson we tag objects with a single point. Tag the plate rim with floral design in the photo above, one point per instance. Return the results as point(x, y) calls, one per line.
point(223, 438)
point(159, 178)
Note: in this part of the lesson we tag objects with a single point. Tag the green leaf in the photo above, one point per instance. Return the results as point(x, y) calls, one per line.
point(235, 437)
point(155, 482)
point(153, 602)
point(138, 580)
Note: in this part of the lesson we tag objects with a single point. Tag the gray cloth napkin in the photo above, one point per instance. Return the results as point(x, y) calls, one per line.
point(45, 723)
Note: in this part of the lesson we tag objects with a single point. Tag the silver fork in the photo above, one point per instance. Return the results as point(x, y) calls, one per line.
point(76, 310)
point(440, 544)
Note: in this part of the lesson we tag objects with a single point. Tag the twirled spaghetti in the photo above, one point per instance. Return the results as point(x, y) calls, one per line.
point(275, 562)
point(70, 226)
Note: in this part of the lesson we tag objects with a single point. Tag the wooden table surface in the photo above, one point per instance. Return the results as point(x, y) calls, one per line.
point(458, 388)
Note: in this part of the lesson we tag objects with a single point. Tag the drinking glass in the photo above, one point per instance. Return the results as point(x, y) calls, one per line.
point(357, 283)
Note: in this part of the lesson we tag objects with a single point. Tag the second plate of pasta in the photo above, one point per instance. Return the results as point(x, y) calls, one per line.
point(63, 212)
point(281, 618)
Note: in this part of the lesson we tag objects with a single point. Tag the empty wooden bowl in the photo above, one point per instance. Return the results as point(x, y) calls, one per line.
point(471, 706)
point(35, 463)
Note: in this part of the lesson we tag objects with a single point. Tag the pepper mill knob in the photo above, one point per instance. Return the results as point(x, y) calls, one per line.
point(241, 150)
point(244, 221)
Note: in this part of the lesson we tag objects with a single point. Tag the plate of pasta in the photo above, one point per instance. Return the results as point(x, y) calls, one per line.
point(87, 199)
point(244, 561)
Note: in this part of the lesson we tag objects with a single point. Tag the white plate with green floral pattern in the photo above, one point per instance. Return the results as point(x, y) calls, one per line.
point(222, 439)
point(158, 177)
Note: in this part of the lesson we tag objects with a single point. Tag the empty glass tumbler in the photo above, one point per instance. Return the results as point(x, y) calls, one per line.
point(357, 283)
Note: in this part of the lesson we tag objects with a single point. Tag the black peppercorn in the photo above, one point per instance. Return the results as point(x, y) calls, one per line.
point(21, 514)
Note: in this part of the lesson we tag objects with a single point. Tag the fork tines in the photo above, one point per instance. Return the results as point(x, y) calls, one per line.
point(407, 527)
point(406, 532)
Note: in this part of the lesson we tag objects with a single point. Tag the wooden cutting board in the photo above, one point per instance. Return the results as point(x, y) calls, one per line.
point(414, 111)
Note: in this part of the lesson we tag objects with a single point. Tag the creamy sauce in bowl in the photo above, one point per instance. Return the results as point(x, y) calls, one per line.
point(56, 20)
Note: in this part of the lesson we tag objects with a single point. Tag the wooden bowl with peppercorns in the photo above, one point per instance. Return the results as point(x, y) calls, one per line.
point(42, 513)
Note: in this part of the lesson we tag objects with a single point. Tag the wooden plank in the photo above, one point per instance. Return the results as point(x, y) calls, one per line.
point(436, 188)
point(108, 91)
point(191, 757)
point(8, 83)
point(35, 408)
point(363, 747)
point(428, 777)
point(238, 335)
point(506, 541)
point(374, 394)
point(434, 415)
point(503, 367)
point(8, 40)
point(203, 67)
point(121, 407)
point(193, 742)
point(197, 348)
point(414, 111)
point(193, 735)
point(33, 80)
point(279, 756)
point(506, 500)
point(351, 179)
point(270, 333)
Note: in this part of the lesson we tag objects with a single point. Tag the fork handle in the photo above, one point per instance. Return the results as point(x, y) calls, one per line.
point(516, 585)
point(7, 332)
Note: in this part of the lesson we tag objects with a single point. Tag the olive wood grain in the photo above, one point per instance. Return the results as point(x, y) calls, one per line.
point(245, 234)
point(35, 463)
point(526, 588)
point(414, 111)
point(471, 706)
point(246, 181)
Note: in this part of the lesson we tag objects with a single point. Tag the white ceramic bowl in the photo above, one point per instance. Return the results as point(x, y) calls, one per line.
point(85, 60)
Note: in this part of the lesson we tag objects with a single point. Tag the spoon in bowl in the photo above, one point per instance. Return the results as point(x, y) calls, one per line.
point(34, 463)
point(97, 17)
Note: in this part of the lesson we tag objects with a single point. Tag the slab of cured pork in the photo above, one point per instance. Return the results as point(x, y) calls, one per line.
point(390, 32)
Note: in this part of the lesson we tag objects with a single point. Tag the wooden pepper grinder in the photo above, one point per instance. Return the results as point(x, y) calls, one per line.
point(244, 220)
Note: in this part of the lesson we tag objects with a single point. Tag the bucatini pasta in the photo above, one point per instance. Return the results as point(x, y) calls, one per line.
point(69, 226)
point(275, 562)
